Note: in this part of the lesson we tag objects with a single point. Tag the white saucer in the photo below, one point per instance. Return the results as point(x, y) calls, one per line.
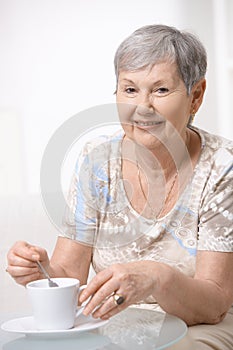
point(25, 325)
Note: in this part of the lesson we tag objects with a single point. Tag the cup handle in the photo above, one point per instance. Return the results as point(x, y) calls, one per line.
point(81, 307)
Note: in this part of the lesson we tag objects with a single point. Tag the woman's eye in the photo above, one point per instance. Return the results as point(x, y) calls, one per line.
point(130, 90)
point(162, 90)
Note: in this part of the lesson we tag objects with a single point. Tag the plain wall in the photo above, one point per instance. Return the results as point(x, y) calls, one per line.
point(57, 60)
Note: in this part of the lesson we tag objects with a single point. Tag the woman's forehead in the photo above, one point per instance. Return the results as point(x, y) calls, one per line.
point(163, 70)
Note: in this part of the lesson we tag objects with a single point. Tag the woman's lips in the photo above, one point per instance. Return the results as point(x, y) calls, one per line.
point(148, 124)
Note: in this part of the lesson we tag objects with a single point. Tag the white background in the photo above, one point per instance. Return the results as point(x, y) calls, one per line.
point(56, 59)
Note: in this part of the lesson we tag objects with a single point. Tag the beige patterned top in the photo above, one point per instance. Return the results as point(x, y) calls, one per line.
point(99, 211)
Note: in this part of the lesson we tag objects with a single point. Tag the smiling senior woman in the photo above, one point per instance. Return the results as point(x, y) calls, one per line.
point(151, 206)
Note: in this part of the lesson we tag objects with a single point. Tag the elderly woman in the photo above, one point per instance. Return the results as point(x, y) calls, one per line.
point(151, 206)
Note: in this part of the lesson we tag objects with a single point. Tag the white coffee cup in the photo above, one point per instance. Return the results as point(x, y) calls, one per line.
point(55, 308)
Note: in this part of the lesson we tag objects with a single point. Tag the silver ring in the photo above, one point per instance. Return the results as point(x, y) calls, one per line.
point(118, 299)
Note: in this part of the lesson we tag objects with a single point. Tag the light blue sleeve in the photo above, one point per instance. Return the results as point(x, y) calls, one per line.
point(80, 218)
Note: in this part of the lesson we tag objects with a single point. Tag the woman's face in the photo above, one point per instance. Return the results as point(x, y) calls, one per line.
point(153, 103)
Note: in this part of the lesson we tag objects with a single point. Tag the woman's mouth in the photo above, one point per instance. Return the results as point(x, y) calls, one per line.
point(147, 124)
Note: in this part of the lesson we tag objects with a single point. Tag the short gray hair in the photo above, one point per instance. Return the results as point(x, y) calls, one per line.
point(153, 44)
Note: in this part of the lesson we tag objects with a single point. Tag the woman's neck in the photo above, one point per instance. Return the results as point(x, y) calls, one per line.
point(157, 159)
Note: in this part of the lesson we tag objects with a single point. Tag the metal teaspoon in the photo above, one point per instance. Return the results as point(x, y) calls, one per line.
point(51, 283)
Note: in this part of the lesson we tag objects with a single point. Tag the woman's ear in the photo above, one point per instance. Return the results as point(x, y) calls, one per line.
point(197, 93)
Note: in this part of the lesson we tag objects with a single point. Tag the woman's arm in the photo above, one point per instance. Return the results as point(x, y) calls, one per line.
point(69, 259)
point(202, 299)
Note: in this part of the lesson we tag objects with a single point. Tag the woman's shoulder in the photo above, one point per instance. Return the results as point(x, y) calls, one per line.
point(104, 140)
point(214, 168)
point(216, 150)
point(213, 141)
point(99, 148)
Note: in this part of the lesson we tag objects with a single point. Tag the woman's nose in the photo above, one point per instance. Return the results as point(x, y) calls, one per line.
point(145, 105)
point(145, 109)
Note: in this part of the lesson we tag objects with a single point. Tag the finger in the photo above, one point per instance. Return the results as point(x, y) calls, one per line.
point(19, 266)
point(23, 250)
point(95, 284)
point(23, 280)
point(107, 307)
point(113, 312)
point(100, 296)
point(16, 260)
point(104, 308)
point(39, 251)
point(17, 271)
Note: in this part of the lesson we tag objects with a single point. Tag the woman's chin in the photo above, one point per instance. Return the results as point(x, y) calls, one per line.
point(148, 136)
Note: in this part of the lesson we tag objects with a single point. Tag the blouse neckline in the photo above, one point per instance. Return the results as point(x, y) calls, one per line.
point(189, 183)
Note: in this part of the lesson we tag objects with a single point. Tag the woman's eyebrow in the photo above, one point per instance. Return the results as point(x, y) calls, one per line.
point(127, 80)
point(161, 83)
point(155, 83)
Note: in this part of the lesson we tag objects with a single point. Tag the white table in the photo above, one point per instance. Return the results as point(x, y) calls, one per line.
point(132, 329)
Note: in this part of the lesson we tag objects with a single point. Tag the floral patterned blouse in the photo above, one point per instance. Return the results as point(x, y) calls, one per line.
point(99, 212)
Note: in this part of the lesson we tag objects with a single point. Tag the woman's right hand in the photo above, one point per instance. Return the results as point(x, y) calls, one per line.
point(22, 258)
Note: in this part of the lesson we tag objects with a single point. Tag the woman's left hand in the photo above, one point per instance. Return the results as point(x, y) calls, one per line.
point(133, 281)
